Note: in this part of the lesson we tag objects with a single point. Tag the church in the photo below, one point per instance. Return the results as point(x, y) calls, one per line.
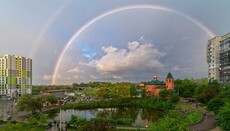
point(155, 86)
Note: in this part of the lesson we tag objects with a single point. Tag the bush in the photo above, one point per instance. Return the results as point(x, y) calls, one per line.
point(173, 121)
point(2, 122)
point(174, 98)
point(224, 117)
point(215, 104)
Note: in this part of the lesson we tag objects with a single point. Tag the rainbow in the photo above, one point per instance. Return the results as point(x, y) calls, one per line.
point(114, 11)
point(46, 28)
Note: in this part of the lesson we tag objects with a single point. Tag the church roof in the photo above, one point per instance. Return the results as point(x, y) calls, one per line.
point(155, 82)
point(169, 75)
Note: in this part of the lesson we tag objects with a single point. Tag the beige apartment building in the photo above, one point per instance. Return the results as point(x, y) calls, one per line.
point(218, 58)
point(213, 58)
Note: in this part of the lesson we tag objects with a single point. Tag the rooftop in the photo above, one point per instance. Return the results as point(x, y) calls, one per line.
point(169, 75)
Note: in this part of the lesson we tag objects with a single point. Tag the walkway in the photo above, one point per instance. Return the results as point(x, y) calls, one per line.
point(131, 128)
point(208, 121)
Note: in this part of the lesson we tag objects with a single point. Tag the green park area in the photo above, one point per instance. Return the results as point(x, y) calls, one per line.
point(124, 102)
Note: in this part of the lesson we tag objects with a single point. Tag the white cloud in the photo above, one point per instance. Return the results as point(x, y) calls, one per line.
point(137, 56)
point(117, 77)
point(74, 70)
point(120, 64)
point(176, 68)
point(47, 77)
point(141, 38)
point(59, 77)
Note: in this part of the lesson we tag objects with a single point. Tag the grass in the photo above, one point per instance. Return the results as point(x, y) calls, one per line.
point(22, 126)
point(192, 116)
point(178, 119)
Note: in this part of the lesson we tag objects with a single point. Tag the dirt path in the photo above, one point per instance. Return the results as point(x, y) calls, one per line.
point(207, 123)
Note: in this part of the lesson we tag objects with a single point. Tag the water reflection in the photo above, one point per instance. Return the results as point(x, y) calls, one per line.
point(138, 116)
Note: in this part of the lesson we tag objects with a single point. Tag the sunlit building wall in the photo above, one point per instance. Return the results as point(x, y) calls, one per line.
point(15, 75)
point(213, 58)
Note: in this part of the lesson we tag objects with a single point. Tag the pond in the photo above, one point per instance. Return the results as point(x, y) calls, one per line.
point(138, 116)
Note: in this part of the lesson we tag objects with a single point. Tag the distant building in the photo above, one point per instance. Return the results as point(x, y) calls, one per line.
point(155, 86)
point(15, 75)
point(218, 58)
point(57, 93)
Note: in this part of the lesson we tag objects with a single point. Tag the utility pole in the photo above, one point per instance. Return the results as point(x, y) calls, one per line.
point(60, 126)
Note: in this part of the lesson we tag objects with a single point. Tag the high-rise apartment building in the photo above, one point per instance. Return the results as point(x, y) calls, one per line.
point(218, 58)
point(225, 59)
point(213, 58)
point(15, 75)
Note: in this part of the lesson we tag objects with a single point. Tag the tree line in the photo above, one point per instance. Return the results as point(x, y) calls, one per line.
point(212, 94)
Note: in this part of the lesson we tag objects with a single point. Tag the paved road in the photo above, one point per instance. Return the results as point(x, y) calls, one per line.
point(7, 108)
point(207, 123)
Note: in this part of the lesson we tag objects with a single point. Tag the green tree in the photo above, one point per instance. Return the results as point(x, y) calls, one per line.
point(51, 98)
point(214, 104)
point(204, 93)
point(223, 117)
point(31, 103)
point(103, 92)
point(185, 87)
point(163, 94)
point(174, 98)
point(143, 93)
point(39, 119)
point(225, 92)
point(76, 121)
point(133, 90)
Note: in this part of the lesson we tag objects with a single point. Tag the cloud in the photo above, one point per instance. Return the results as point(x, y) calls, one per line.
point(136, 56)
point(74, 70)
point(176, 68)
point(47, 77)
point(120, 63)
point(59, 77)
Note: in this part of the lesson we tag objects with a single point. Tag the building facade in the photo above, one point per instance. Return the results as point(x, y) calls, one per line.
point(225, 59)
point(15, 75)
point(213, 58)
point(155, 86)
point(218, 58)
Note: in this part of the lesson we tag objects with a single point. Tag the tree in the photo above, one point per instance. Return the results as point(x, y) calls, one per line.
point(52, 99)
point(174, 98)
point(103, 92)
point(31, 103)
point(185, 87)
point(163, 94)
point(205, 93)
point(223, 117)
point(76, 121)
point(39, 119)
point(75, 85)
point(225, 92)
point(133, 90)
point(215, 104)
point(143, 93)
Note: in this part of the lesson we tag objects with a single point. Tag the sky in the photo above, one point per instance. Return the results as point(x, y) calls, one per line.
point(112, 41)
